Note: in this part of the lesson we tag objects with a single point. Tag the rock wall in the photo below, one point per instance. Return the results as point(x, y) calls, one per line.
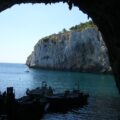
point(75, 51)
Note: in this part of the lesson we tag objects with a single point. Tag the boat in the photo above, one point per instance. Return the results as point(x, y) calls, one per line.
point(39, 101)
point(40, 92)
point(27, 70)
point(59, 102)
point(66, 101)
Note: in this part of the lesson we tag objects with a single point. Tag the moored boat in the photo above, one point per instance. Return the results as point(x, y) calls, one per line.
point(40, 92)
point(59, 102)
point(66, 101)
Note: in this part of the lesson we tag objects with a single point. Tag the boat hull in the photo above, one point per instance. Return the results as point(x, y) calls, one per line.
point(62, 104)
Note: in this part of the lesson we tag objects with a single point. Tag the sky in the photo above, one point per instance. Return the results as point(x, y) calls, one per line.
point(21, 26)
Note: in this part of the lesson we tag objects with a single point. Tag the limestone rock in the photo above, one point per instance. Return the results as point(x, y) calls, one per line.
point(82, 51)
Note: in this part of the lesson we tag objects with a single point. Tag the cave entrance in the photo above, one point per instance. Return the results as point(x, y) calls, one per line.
point(97, 17)
point(106, 27)
point(105, 14)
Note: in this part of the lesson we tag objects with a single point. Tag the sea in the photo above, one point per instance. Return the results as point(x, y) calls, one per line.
point(103, 101)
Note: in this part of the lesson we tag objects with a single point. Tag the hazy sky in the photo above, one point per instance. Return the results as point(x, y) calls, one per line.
point(23, 25)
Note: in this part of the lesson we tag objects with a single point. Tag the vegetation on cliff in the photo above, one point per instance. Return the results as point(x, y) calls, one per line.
point(54, 37)
point(83, 26)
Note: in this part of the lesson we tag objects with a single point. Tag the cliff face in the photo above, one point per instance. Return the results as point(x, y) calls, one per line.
point(77, 51)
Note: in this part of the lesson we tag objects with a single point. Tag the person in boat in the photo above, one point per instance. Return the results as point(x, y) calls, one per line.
point(46, 90)
point(27, 91)
point(50, 91)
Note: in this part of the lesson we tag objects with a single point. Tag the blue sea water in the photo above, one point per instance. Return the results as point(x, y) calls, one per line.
point(103, 103)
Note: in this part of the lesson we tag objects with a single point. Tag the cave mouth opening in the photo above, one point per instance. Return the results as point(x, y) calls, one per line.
point(104, 14)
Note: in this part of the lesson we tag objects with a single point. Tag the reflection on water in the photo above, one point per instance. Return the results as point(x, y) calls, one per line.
point(104, 100)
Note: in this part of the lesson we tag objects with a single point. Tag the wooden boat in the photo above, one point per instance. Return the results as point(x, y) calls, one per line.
point(68, 100)
point(60, 102)
point(40, 92)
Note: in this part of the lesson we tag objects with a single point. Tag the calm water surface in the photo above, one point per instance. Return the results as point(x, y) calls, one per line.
point(103, 103)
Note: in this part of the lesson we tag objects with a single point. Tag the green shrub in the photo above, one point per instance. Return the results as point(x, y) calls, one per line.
point(54, 37)
point(45, 39)
point(83, 26)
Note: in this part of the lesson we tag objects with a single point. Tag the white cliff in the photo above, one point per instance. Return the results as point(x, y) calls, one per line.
point(75, 51)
